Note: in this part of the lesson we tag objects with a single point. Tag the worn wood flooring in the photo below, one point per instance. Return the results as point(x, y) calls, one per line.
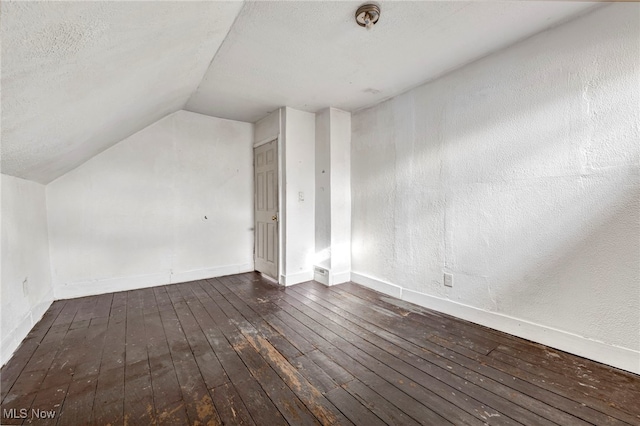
point(238, 350)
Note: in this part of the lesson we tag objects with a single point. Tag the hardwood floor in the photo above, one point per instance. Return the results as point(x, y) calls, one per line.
point(237, 350)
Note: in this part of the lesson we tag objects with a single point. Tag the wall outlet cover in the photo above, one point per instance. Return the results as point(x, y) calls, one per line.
point(448, 280)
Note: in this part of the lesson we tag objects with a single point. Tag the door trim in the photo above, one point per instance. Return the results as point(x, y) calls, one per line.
point(265, 141)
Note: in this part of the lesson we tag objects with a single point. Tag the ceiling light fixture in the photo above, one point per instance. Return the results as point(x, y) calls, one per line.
point(367, 15)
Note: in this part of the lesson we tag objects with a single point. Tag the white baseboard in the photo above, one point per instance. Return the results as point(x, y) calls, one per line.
point(297, 278)
point(322, 278)
point(378, 285)
point(330, 277)
point(12, 339)
point(217, 271)
point(340, 277)
point(110, 285)
point(615, 356)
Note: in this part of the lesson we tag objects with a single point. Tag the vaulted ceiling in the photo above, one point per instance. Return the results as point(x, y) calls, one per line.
point(78, 77)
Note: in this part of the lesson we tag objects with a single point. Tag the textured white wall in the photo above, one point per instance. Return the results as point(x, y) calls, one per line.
point(25, 256)
point(333, 195)
point(519, 174)
point(134, 215)
point(299, 176)
point(340, 196)
point(323, 190)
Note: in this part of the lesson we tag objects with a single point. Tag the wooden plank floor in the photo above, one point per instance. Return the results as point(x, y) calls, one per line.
point(238, 350)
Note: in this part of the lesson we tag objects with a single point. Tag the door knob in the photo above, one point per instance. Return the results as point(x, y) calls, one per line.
point(274, 217)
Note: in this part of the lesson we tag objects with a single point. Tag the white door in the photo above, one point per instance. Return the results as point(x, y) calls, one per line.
point(265, 159)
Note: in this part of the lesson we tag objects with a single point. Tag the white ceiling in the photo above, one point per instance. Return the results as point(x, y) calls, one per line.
point(78, 77)
point(310, 55)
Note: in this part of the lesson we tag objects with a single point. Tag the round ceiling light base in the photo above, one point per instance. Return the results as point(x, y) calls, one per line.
point(367, 15)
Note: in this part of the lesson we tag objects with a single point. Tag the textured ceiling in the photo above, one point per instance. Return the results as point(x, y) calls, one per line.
point(78, 77)
point(310, 55)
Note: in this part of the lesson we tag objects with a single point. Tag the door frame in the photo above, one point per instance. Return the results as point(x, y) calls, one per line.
point(280, 195)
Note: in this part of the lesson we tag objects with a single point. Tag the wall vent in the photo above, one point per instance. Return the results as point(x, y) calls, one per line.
point(319, 270)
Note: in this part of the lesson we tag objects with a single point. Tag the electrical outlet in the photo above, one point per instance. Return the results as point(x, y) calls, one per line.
point(25, 287)
point(448, 280)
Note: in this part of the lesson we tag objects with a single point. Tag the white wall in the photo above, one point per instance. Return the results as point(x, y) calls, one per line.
point(322, 255)
point(26, 292)
point(340, 196)
point(296, 152)
point(172, 203)
point(518, 174)
point(299, 178)
point(333, 196)
point(268, 128)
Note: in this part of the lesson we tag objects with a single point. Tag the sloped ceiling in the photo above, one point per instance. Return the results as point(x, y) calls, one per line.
point(310, 55)
point(78, 77)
